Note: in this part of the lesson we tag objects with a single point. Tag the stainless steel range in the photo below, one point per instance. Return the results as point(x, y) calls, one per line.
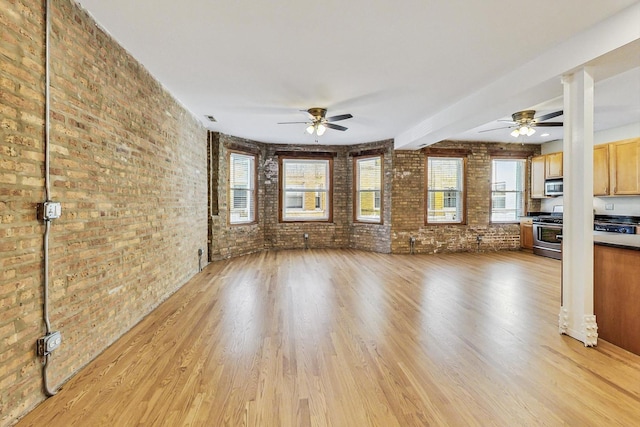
point(546, 229)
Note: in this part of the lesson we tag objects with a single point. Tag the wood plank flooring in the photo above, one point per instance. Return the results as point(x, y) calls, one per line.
point(349, 338)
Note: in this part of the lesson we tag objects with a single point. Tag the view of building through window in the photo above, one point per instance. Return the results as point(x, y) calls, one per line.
point(368, 188)
point(305, 189)
point(507, 189)
point(241, 188)
point(445, 188)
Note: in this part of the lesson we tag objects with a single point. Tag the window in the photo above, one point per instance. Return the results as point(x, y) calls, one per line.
point(368, 188)
point(507, 189)
point(306, 189)
point(242, 194)
point(445, 190)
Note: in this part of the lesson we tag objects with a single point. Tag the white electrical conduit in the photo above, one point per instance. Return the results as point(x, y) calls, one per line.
point(45, 305)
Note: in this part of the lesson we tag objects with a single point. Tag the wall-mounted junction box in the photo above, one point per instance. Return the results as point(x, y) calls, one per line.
point(49, 210)
point(48, 343)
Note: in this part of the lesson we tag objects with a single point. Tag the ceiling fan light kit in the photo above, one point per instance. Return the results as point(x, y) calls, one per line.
point(525, 121)
point(319, 123)
point(318, 128)
point(523, 130)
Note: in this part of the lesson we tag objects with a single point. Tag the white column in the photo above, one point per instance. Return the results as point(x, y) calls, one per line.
point(576, 314)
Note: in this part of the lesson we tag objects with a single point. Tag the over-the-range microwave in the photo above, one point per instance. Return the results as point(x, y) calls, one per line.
point(553, 187)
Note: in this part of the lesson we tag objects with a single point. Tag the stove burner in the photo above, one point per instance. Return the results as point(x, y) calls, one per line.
point(614, 228)
point(548, 219)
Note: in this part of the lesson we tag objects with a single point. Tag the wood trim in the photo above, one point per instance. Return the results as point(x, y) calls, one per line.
point(464, 191)
point(307, 154)
point(255, 188)
point(355, 187)
point(240, 148)
point(281, 191)
point(511, 154)
point(369, 153)
point(447, 152)
point(524, 191)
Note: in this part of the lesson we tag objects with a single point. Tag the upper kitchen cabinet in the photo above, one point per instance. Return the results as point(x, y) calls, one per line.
point(624, 167)
point(537, 177)
point(548, 166)
point(553, 165)
point(601, 170)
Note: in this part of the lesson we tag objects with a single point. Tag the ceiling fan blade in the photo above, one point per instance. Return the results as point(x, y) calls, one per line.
point(548, 124)
point(291, 123)
point(549, 116)
point(336, 127)
point(491, 130)
point(340, 117)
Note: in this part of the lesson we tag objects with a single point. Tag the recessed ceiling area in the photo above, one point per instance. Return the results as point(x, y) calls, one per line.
point(417, 72)
point(617, 103)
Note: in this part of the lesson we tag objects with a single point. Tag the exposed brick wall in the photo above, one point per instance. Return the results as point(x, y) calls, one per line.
point(373, 237)
point(234, 240)
point(268, 232)
point(288, 235)
point(130, 167)
point(128, 164)
point(408, 204)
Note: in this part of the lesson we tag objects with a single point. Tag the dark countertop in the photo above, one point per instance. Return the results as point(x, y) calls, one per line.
point(617, 240)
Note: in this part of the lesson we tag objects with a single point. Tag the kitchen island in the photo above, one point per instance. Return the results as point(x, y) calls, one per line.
point(616, 281)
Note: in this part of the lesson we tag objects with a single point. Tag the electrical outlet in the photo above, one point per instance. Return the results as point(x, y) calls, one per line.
point(479, 238)
point(49, 343)
point(306, 236)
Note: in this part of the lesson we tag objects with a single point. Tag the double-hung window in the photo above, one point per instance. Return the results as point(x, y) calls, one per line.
point(242, 188)
point(445, 190)
point(305, 187)
point(507, 189)
point(368, 189)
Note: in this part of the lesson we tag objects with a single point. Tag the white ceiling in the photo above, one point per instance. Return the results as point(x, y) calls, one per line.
point(418, 71)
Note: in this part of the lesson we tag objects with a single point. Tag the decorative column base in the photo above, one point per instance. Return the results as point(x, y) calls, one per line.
point(590, 330)
point(563, 321)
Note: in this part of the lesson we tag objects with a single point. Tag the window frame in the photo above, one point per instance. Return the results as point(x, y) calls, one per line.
point(443, 154)
point(253, 190)
point(357, 191)
point(282, 192)
point(523, 158)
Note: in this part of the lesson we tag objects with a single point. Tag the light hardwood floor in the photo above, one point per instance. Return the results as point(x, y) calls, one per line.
point(349, 338)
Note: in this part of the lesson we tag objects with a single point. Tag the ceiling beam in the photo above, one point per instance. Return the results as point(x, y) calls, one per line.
point(532, 83)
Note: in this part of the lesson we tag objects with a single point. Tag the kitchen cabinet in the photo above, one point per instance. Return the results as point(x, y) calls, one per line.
point(537, 177)
point(601, 170)
point(526, 234)
point(624, 167)
point(553, 165)
point(616, 292)
point(548, 166)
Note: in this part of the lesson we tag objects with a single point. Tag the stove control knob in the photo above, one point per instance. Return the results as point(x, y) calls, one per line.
point(622, 230)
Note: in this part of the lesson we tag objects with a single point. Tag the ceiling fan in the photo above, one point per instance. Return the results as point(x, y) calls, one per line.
point(319, 122)
point(523, 122)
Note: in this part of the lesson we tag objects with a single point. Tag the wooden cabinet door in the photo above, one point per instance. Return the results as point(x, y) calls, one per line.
point(625, 167)
point(537, 177)
point(526, 236)
point(601, 170)
point(553, 165)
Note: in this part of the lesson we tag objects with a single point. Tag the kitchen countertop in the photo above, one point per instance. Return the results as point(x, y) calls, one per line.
point(617, 240)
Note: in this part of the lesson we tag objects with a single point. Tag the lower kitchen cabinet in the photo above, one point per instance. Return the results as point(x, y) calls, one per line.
point(616, 295)
point(526, 234)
